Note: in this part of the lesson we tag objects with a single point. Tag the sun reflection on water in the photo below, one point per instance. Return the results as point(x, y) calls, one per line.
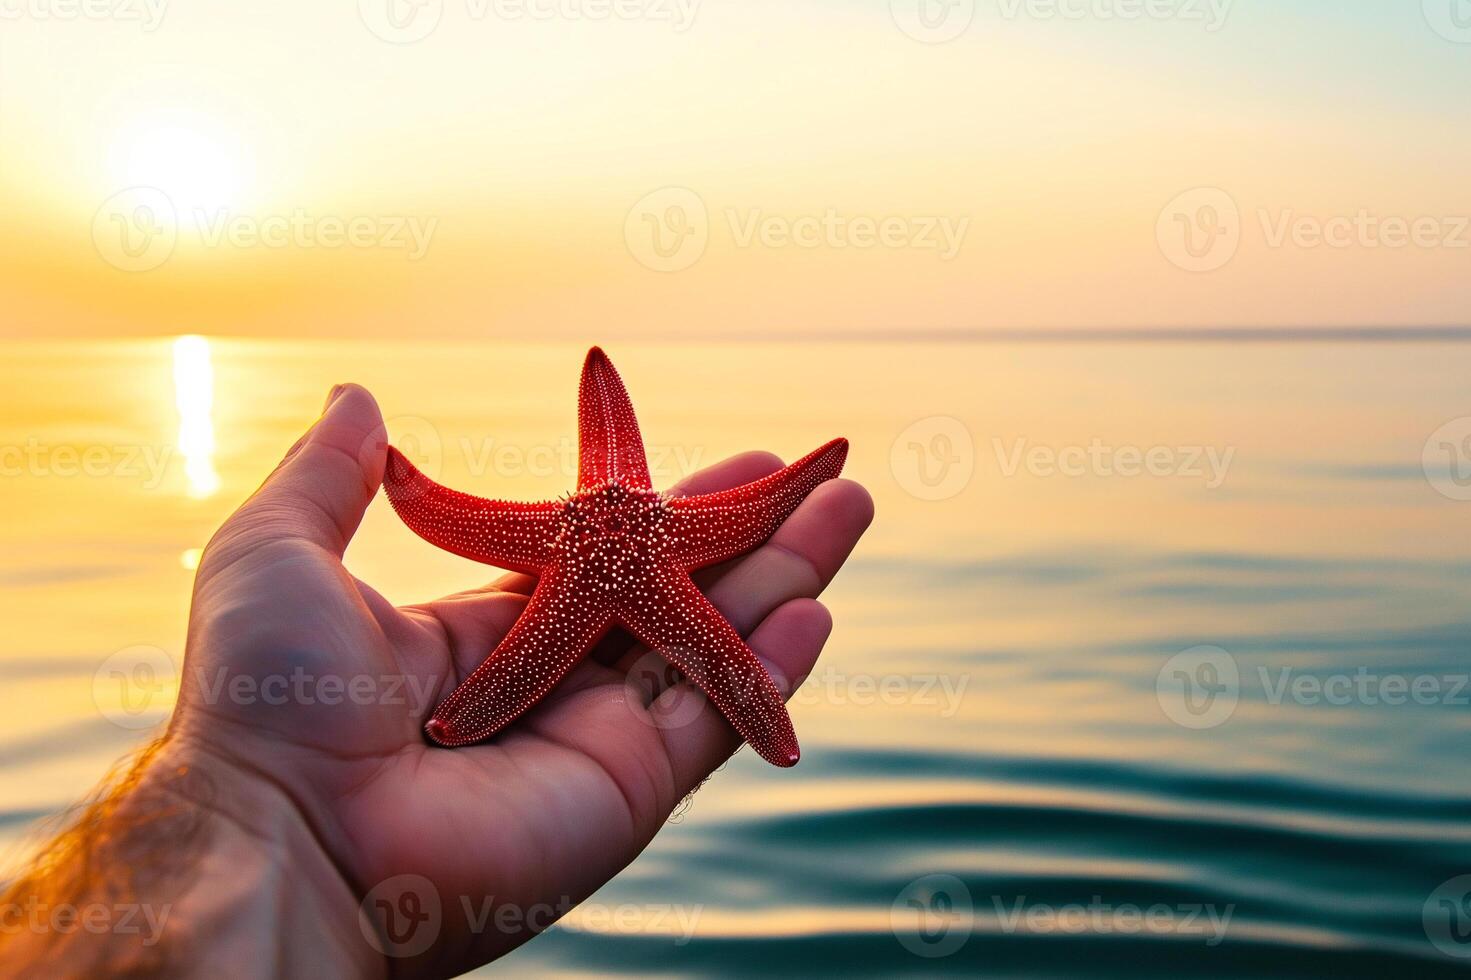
point(194, 396)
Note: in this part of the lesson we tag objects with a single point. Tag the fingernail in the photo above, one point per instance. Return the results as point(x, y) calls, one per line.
point(333, 395)
point(295, 448)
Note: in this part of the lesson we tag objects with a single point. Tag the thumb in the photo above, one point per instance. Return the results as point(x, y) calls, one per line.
point(321, 489)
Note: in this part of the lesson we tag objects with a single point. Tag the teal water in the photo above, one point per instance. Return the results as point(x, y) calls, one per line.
point(1070, 723)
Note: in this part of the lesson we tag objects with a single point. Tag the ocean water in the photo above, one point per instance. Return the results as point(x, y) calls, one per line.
point(1153, 662)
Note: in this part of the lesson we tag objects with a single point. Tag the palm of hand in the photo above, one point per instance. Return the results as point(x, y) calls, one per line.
point(302, 675)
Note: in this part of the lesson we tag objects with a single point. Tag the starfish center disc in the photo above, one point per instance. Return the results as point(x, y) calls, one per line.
point(612, 535)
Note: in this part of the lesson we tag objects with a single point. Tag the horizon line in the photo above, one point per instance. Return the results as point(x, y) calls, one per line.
point(924, 335)
point(1420, 334)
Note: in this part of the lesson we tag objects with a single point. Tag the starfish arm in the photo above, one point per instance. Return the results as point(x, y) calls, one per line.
point(610, 448)
point(713, 527)
point(520, 537)
point(676, 619)
point(557, 628)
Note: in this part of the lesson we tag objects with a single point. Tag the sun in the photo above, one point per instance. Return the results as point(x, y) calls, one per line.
point(196, 163)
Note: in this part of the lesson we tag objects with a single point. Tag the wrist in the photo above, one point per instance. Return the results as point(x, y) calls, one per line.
point(265, 896)
point(189, 864)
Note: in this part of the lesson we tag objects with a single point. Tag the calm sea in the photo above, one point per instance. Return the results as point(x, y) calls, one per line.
point(1154, 661)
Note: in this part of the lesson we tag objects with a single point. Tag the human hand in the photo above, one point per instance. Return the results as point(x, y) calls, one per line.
point(540, 816)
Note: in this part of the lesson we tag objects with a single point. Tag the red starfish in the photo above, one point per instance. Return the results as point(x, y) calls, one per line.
point(615, 551)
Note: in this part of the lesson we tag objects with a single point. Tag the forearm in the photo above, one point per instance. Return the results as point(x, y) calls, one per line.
point(185, 866)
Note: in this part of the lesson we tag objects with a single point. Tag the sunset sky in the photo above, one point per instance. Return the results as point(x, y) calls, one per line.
point(809, 166)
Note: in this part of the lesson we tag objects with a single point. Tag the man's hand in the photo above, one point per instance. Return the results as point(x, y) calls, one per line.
point(351, 794)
